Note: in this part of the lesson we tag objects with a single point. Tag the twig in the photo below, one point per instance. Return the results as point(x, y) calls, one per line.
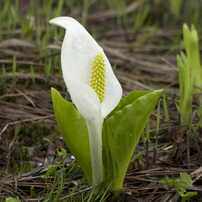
point(188, 150)
point(26, 120)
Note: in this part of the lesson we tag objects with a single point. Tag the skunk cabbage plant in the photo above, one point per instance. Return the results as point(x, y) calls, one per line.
point(102, 148)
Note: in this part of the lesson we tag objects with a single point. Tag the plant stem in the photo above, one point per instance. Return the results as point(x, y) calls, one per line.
point(95, 141)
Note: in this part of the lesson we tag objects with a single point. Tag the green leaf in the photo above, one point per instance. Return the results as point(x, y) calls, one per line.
point(176, 6)
point(74, 131)
point(186, 89)
point(187, 195)
point(191, 42)
point(11, 199)
point(186, 37)
point(130, 98)
point(126, 126)
point(164, 181)
point(186, 178)
point(108, 153)
point(182, 187)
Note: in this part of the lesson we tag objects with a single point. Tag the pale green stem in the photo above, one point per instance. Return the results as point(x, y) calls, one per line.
point(95, 140)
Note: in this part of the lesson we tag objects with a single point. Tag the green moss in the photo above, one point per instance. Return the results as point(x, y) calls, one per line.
point(33, 135)
point(14, 170)
point(54, 138)
point(136, 73)
point(2, 174)
point(28, 167)
point(184, 156)
point(17, 152)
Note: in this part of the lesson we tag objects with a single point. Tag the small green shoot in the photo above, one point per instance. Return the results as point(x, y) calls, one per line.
point(14, 67)
point(121, 12)
point(47, 140)
point(186, 88)
point(166, 112)
point(61, 183)
point(33, 193)
point(199, 113)
point(63, 152)
point(175, 7)
point(191, 42)
point(114, 67)
point(48, 68)
point(157, 131)
point(85, 12)
point(147, 144)
point(21, 167)
point(38, 33)
point(58, 9)
point(181, 185)
point(148, 131)
point(11, 199)
point(3, 80)
point(58, 181)
point(168, 148)
point(27, 27)
point(158, 117)
point(53, 168)
point(143, 138)
point(32, 73)
point(141, 15)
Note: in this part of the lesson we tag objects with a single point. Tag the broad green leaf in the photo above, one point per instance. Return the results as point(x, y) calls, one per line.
point(74, 131)
point(183, 185)
point(186, 178)
point(126, 126)
point(130, 98)
point(180, 189)
point(108, 154)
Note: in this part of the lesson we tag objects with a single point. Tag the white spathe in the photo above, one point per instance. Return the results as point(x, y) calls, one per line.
point(78, 53)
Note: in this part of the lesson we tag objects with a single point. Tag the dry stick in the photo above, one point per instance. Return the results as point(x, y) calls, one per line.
point(26, 120)
point(7, 164)
point(13, 191)
point(188, 149)
point(147, 154)
point(29, 99)
point(155, 150)
point(157, 131)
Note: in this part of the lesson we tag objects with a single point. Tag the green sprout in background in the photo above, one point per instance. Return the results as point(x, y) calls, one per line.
point(175, 6)
point(186, 89)
point(181, 185)
point(189, 66)
point(191, 43)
